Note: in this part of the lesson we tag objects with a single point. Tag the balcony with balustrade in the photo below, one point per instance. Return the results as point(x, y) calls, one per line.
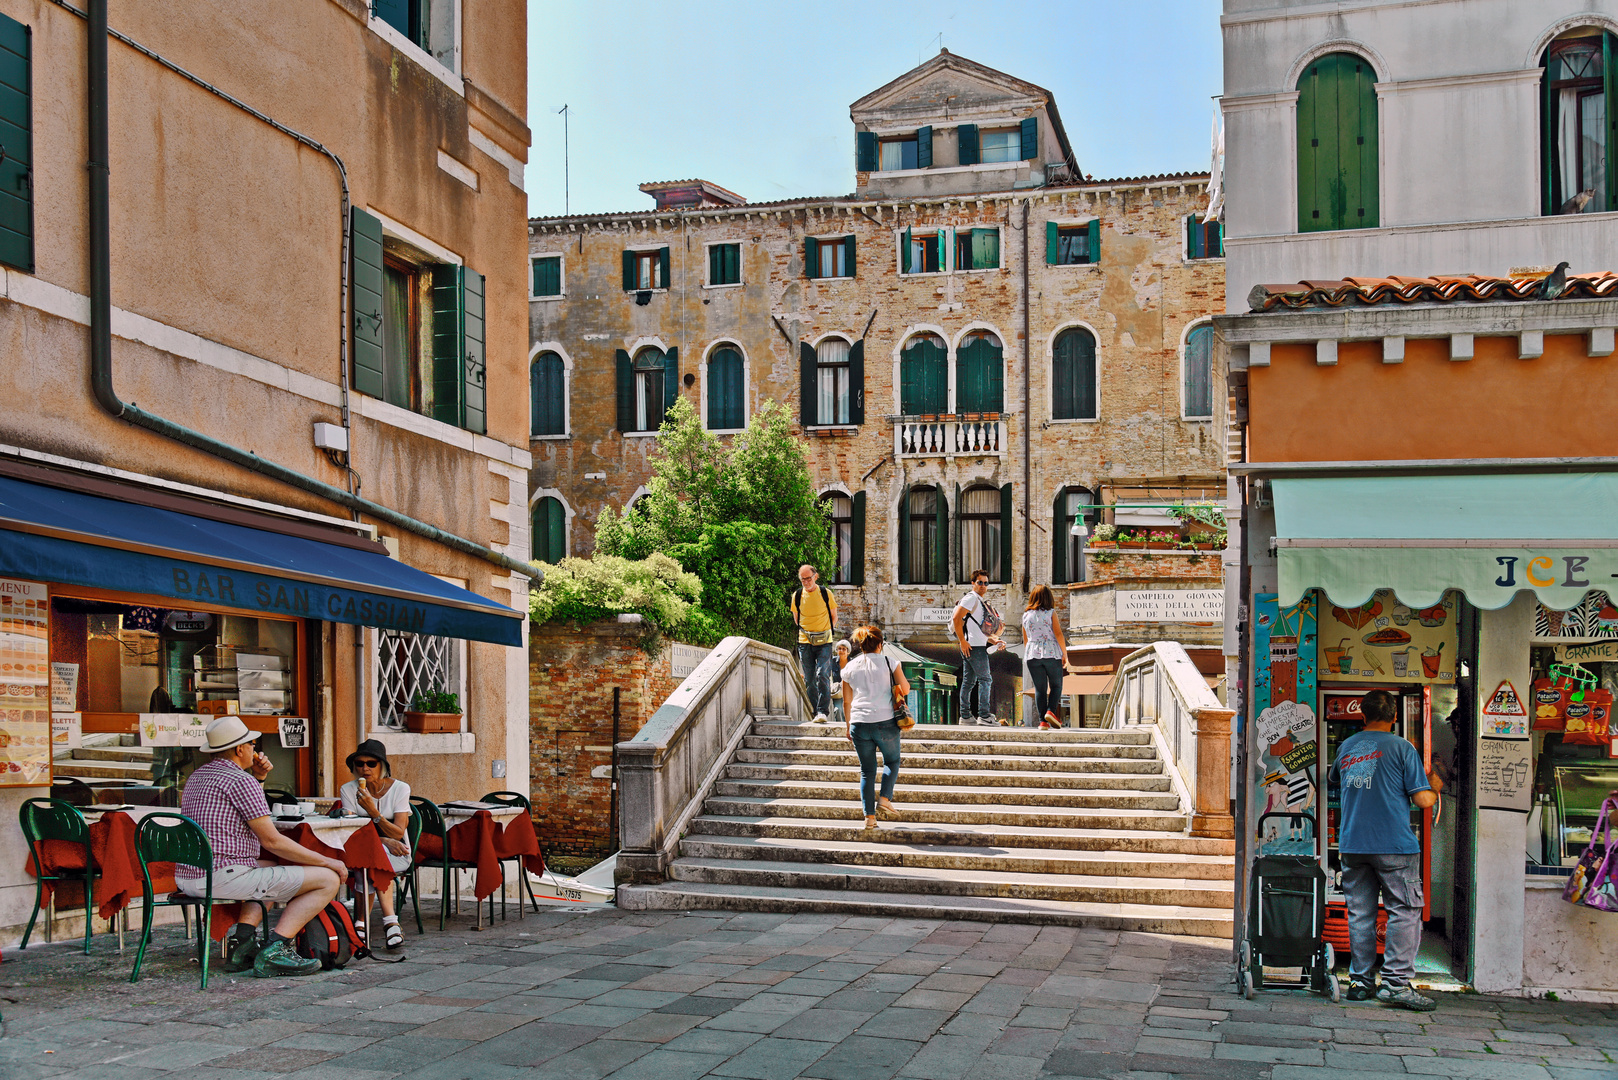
point(950, 436)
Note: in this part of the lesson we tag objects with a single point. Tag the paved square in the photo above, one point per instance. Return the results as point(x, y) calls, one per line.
point(600, 994)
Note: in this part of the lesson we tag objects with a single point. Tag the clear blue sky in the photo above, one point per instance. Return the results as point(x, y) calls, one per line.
point(754, 96)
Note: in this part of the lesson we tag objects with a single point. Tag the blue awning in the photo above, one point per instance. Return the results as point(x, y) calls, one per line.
point(67, 537)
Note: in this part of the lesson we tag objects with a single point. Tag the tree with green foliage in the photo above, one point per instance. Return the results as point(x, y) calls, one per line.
point(741, 519)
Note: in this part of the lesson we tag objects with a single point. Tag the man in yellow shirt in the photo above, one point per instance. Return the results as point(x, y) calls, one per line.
point(814, 611)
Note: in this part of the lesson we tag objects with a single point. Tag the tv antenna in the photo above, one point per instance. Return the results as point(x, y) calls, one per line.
point(565, 208)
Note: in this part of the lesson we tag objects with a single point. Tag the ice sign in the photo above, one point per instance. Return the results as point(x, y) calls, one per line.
point(1287, 718)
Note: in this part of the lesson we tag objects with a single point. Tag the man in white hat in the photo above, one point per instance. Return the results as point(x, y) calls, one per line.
point(226, 797)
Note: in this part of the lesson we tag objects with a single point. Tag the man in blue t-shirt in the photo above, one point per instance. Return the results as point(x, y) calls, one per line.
point(1378, 776)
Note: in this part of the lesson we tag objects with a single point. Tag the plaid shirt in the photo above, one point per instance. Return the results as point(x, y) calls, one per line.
point(223, 797)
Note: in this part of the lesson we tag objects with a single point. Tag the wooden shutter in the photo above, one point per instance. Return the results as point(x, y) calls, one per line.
point(811, 257)
point(865, 151)
point(924, 148)
point(448, 375)
point(1547, 137)
point(1360, 209)
point(1005, 532)
point(550, 531)
point(856, 382)
point(1193, 238)
point(629, 271)
point(848, 254)
point(968, 388)
point(1095, 240)
point(960, 563)
point(994, 378)
point(856, 543)
point(626, 390)
point(662, 281)
point(904, 252)
point(16, 136)
point(1609, 67)
point(671, 375)
point(941, 548)
point(809, 408)
point(904, 535)
point(1030, 138)
point(966, 136)
point(396, 13)
point(1059, 527)
point(365, 299)
point(935, 388)
point(475, 359)
point(547, 382)
point(715, 264)
point(1337, 145)
point(1053, 244)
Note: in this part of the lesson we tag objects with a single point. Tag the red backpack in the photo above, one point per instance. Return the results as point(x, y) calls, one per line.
point(331, 938)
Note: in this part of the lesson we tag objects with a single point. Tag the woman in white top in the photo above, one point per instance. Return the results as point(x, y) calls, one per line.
point(375, 794)
point(871, 686)
point(1045, 652)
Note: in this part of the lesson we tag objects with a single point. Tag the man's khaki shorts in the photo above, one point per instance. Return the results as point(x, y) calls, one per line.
point(274, 883)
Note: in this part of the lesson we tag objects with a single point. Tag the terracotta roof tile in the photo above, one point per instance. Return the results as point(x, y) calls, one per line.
point(1443, 289)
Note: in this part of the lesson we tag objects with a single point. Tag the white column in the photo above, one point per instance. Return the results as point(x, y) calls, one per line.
point(1498, 915)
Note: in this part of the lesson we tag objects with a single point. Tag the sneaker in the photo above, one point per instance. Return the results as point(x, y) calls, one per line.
point(277, 958)
point(821, 718)
point(1358, 991)
point(242, 953)
point(1052, 719)
point(1043, 726)
point(1406, 998)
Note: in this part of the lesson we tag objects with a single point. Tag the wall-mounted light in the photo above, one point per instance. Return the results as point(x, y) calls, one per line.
point(1079, 529)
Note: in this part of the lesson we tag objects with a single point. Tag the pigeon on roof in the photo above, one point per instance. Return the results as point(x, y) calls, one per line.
point(1556, 284)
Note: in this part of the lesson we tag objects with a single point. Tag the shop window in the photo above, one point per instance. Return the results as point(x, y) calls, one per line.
point(1337, 144)
point(547, 271)
point(1072, 245)
point(1197, 400)
point(923, 537)
point(982, 535)
point(408, 664)
point(1204, 239)
point(922, 253)
point(647, 385)
point(831, 257)
point(977, 249)
point(428, 24)
point(923, 377)
point(645, 271)
point(727, 390)
point(1578, 166)
point(1068, 562)
point(840, 509)
point(980, 374)
point(16, 135)
point(1073, 375)
point(547, 390)
point(724, 264)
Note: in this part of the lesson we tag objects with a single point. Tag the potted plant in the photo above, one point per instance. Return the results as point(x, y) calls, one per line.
point(1105, 537)
point(1161, 539)
point(1128, 539)
point(433, 711)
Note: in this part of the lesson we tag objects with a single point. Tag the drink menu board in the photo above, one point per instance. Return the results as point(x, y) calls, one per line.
point(25, 704)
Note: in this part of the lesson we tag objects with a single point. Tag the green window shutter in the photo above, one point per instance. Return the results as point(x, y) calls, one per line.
point(865, 151)
point(365, 299)
point(848, 254)
point(1052, 244)
point(904, 535)
point(856, 385)
point(960, 564)
point(1358, 144)
point(547, 389)
point(856, 547)
point(396, 13)
point(1095, 240)
point(1005, 532)
point(1060, 525)
point(1609, 49)
point(935, 390)
point(941, 547)
point(725, 390)
point(904, 252)
point(994, 378)
point(909, 383)
point(808, 408)
point(449, 338)
point(924, 148)
point(966, 135)
point(550, 531)
point(1547, 135)
point(1030, 138)
point(1337, 145)
point(1314, 209)
point(662, 281)
point(629, 271)
point(715, 264)
point(626, 390)
point(16, 137)
point(548, 276)
point(967, 391)
point(811, 257)
point(985, 249)
point(1193, 248)
point(671, 376)
point(474, 356)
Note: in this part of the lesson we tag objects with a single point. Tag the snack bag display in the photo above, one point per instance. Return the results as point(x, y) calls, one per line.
point(1588, 722)
point(1550, 705)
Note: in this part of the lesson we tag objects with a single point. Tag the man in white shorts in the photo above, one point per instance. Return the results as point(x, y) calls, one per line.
point(226, 797)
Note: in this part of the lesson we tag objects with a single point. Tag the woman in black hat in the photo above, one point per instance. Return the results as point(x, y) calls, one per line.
point(375, 794)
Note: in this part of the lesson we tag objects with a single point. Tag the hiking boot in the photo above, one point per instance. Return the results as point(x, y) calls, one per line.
point(1406, 998)
point(242, 953)
point(1359, 991)
point(277, 959)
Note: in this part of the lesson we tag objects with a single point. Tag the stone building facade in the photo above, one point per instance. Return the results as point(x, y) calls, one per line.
point(1009, 350)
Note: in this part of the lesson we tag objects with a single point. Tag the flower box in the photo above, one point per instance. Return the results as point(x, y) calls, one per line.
point(1101, 544)
point(431, 723)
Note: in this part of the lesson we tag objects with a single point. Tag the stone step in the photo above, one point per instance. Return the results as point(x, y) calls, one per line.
point(1017, 817)
point(997, 860)
point(972, 751)
point(112, 753)
point(844, 756)
point(850, 827)
point(1146, 918)
point(955, 734)
point(850, 773)
point(945, 882)
point(915, 796)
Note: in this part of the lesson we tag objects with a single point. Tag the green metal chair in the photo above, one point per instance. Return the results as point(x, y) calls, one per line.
point(175, 838)
point(432, 824)
point(512, 798)
point(52, 819)
point(405, 883)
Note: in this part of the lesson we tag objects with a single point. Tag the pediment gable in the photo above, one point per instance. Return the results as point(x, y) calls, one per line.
point(948, 83)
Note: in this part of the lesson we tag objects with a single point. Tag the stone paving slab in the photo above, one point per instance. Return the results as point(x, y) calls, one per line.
point(603, 994)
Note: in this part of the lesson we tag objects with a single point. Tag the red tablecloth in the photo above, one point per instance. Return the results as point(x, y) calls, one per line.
point(480, 840)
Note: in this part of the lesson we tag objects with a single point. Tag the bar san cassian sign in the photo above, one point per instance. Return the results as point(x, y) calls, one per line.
point(1171, 605)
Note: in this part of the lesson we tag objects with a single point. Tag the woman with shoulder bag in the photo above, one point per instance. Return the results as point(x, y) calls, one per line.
point(1045, 653)
point(874, 692)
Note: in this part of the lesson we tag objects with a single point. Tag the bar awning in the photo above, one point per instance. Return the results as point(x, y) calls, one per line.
point(54, 535)
point(1552, 534)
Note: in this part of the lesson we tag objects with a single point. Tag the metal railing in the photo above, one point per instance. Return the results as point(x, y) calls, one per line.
point(948, 436)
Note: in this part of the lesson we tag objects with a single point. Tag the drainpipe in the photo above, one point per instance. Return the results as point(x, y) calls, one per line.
point(1027, 415)
point(101, 318)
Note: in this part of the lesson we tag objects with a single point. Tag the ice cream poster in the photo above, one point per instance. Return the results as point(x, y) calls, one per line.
point(1388, 641)
point(1285, 747)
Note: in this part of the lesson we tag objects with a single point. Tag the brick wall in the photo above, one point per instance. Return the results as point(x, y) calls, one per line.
point(573, 669)
point(1174, 569)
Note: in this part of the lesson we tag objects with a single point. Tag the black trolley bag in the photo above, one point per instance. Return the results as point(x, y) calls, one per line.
point(1286, 916)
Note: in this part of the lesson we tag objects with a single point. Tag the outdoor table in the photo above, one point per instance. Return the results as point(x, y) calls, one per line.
point(477, 836)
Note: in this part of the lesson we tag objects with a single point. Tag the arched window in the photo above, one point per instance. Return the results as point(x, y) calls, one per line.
point(1073, 505)
point(923, 376)
point(980, 381)
point(1579, 166)
point(985, 531)
point(840, 509)
point(547, 395)
point(1337, 148)
point(1073, 376)
point(550, 530)
point(923, 537)
point(1197, 385)
point(653, 392)
point(832, 381)
point(727, 405)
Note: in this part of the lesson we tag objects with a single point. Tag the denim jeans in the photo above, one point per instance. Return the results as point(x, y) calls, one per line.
point(1046, 676)
point(975, 677)
point(868, 739)
point(1398, 879)
point(816, 662)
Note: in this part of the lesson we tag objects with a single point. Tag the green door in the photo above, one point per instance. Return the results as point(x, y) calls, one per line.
point(1337, 145)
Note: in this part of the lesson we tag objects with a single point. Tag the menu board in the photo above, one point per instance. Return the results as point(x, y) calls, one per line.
point(1505, 773)
point(1387, 641)
point(25, 707)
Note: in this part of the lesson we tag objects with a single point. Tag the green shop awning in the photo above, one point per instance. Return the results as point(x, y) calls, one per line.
point(1552, 534)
